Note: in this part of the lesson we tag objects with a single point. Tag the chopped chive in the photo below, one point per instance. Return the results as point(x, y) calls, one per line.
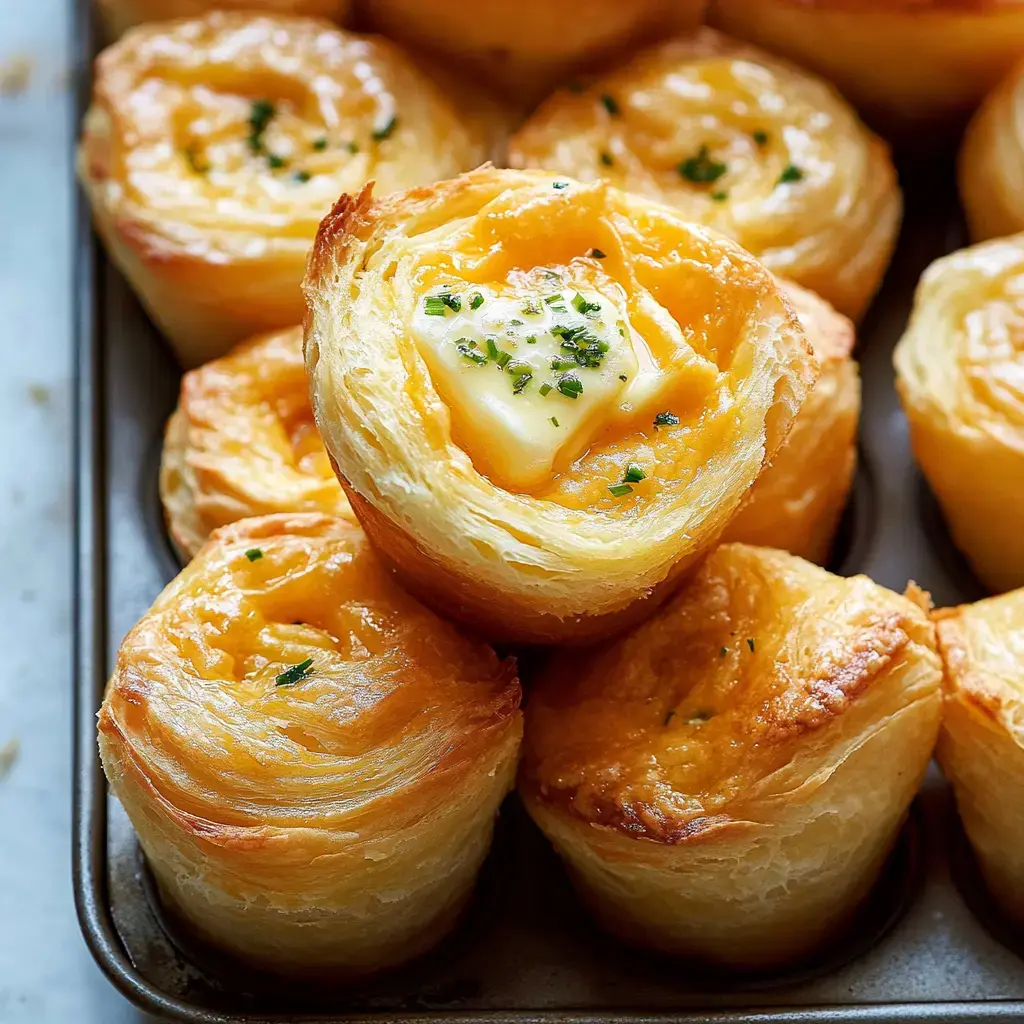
point(606, 159)
point(476, 301)
point(351, 147)
point(503, 359)
point(531, 339)
point(519, 384)
point(760, 137)
point(544, 389)
point(434, 305)
point(634, 474)
point(295, 674)
point(551, 299)
point(791, 173)
point(669, 717)
point(611, 105)
point(666, 419)
point(554, 419)
point(466, 348)
point(302, 176)
point(570, 386)
point(750, 644)
point(723, 651)
point(516, 323)
point(261, 112)
point(623, 378)
point(701, 169)
point(597, 254)
point(492, 348)
point(381, 133)
point(194, 162)
point(530, 308)
point(453, 302)
point(320, 144)
point(254, 554)
point(559, 184)
point(581, 305)
point(620, 490)
point(719, 197)
point(275, 162)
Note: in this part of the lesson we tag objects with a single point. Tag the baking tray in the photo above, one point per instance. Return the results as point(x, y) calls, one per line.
point(927, 946)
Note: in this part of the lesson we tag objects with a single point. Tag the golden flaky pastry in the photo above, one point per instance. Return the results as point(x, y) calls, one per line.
point(545, 398)
point(121, 15)
point(798, 500)
point(981, 746)
point(741, 141)
point(213, 148)
point(312, 760)
point(991, 163)
point(527, 47)
point(242, 442)
point(960, 374)
point(726, 781)
point(918, 65)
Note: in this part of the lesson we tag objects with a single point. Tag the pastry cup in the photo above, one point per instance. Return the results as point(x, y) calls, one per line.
point(725, 782)
point(917, 68)
point(213, 148)
point(981, 746)
point(527, 47)
point(739, 140)
point(312, 760)
point(628, 484)
point(991, 157)
point(242, 443)
point(799, 499)
point(957, 372)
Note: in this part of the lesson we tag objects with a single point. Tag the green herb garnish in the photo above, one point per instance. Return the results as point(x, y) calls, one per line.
point(351, 147)
point(520, 382)
point(530, 308)
point(634, 474)
point(760, 137)
point(434, 305)
point(620, 490)
point(467, 348)
point(554, 419)
point(669, 717)
point(606, 159)
point(254, 554)
point(320, 144)
point(611, 105)
point(723, 651)
point(791, 173)
point(492, 348)
point(261, 113)
point(275, 162)
point(719, 197)
point(503, 359)
point(581, 305)
point(531, 339)
point(296, 673)
point(597, 254)
point(302, 176)
point(570, 386)
point(198, 166)
point(384, 131)
point(476, 301)
point(750, 644)
point(559, 184)
point(666, 419)
point(552, 299)
point(701, 169)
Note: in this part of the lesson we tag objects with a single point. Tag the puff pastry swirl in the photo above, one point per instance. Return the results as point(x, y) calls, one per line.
point(213, 148)
point(916, 66)
point(742, 141)
point(981, 746)
point(725, 782)
point(958, 372)
point(242, 442)
point(544, 398)
point(312, 760)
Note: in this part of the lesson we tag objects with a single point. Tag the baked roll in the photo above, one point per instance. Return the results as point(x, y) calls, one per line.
point(741, 141)
point(958, 373)
point(311, 759)
point(214, 147)
point(527, 47)
point(981, 746)
point(545, 398)
point(725, 782)
point(242, 442)
point(120, 15)
point(797, 502)
point(991, 160)
point(915, 67)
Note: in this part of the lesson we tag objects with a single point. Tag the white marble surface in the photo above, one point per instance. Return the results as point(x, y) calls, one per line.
point(46, 973)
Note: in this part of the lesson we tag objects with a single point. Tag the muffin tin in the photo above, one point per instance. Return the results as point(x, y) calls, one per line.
point(928, 945)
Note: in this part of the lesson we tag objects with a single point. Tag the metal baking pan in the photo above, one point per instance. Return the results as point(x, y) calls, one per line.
point(927, 946)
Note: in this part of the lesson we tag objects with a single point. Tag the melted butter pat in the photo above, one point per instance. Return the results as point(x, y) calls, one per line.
point(530, 380)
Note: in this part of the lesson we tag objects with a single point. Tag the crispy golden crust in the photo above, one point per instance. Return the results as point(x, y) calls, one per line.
point(527, 47)
point(242, 442)
point(981, 747)
point(725, 781)
point(208, 205)
point(566, 561)
point(957, 368)
point(917, 68)
point(713, 127)
point(798, 500)
point(276, 811)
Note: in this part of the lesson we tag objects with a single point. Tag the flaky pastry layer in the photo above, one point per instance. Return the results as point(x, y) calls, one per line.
point(311, 759)
point(726, 781)
point(214, 146)
point(739, 140)
point(578, 553)
point(242, 442)
point(981, 746)
point(958, 372)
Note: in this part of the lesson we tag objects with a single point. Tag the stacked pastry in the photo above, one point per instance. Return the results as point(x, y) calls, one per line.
point(601, 395)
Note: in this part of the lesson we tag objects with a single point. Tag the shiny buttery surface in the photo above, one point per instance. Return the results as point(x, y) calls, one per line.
point(242, 442)
point(960, 373)
point(741, 141)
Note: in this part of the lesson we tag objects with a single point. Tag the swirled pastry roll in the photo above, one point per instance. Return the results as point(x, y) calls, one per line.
point(959, 369)
point(214, 147)
point(527, 47)
point(544, 398)
point(991, 163)
point(981, 746)
point(312, 760)
point(726, 781)
point(741, 141)
point(121, 15)
point(242, 442)
point(918, 65)
point(798, 500)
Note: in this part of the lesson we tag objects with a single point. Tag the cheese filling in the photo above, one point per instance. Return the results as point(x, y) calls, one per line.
point(530, 379)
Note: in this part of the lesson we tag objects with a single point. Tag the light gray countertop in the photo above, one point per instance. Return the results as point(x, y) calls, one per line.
point(46, 973)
